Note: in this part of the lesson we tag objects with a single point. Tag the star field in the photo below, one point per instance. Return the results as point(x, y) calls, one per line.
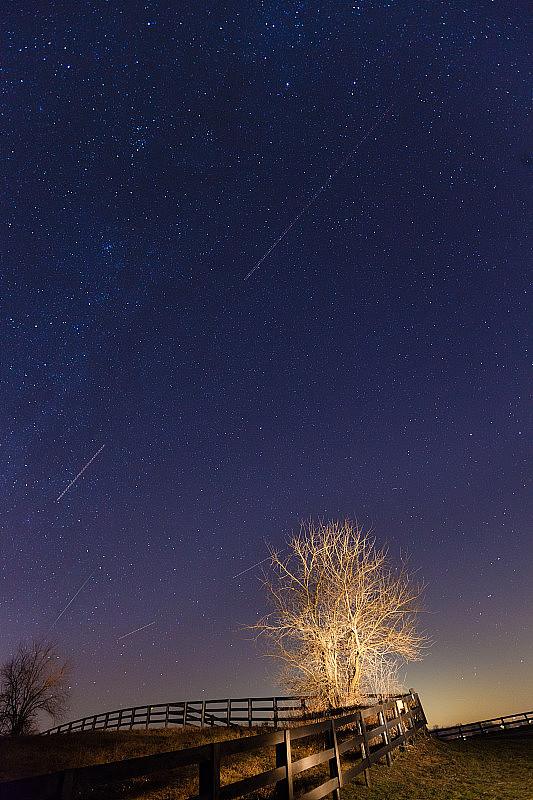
point(374, 365)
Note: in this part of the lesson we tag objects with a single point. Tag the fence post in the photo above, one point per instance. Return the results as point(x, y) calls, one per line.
point(365, 749)
point(249, 712)
point(275, 708)
point(202, 718)
point(209, 773)
point(382, 716)
point(228, 714)
point(402, 727)
point(420, 710)
point(284, 787)
point(413, 707)
point(66, 788)
point(184, 714)
point(335, 762)
point(167, 712)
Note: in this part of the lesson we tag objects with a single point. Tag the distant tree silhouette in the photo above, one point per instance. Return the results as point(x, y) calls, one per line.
point(343, 617)
point(34, 679)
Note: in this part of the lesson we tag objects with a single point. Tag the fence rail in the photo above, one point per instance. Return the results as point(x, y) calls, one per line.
point(366, 735)
point(512, 722)
point(247, 711)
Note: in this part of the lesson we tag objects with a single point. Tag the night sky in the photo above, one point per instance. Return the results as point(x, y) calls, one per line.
point(372, 367)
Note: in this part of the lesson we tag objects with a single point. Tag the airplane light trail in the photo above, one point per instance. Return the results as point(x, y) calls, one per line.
point(72, 599)
point(318, 192)
point(79, 473)
point(136, 630)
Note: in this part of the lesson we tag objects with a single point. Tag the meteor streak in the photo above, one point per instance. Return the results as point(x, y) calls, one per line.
point(318, 192)
point(136, 630)
point(249, 568)
point(85, 582)
point(79, 473)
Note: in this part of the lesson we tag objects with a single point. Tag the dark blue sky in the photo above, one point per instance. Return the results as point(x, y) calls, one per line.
point(373, 367)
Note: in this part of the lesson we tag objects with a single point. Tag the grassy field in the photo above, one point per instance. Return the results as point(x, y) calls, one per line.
point(37, 755)
point(476, 769)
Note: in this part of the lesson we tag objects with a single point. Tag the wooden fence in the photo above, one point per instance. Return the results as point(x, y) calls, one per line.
point(249, 711)
point(347, 746)
point(515, 723)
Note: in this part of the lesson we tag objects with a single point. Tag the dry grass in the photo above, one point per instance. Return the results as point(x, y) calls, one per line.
point(477, 769)
point(38, 755)
point(34, 755)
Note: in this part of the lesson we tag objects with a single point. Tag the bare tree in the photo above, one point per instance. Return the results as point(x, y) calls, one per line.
point(343, 616)
point(34, 679)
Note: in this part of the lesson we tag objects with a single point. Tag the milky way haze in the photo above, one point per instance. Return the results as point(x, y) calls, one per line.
point(373, 367)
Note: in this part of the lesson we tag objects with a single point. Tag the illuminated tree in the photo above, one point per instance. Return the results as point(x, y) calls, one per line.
point(33, 680)
point(343, 617)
